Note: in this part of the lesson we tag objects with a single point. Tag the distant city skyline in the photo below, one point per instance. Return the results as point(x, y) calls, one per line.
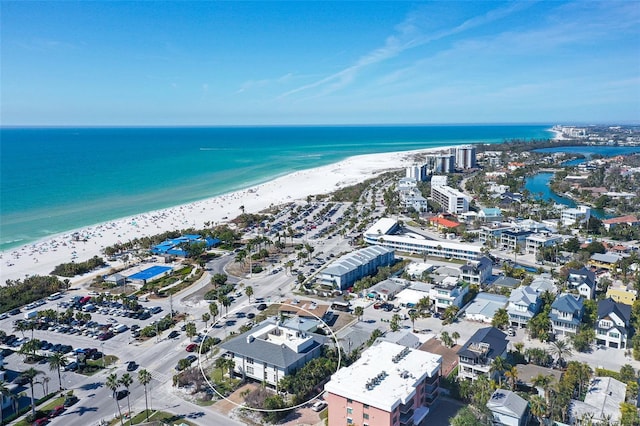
point(319, 63)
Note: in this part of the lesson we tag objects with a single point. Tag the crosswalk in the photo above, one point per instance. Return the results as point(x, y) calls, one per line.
point(161, 377)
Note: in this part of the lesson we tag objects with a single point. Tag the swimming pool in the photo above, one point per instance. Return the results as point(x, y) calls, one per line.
point(149, 273)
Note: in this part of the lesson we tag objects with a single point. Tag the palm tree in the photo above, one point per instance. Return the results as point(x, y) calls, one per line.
point(57, 361)
point(213, 310)
point(15, 400)
point(31, 375)
point(226, 302)
point(190, 330)
point(512, 375)
point(538, 407)
point(543, 382)
point(4, 393)
point(113, 383)
point(29, 349)
point(126, 381)
point(249, 292)
point(413, 315)
point(21, 326)
point(561, 349)
point(358, 312)
point(144, 377)
point(205, 318)
point(499, 366)
point(455, 336)
point(45, 385)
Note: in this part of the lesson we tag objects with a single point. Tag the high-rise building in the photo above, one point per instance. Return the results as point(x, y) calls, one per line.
point(466, 157)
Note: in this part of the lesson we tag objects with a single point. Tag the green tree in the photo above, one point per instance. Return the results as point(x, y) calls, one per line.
point(538, 407)
point(464, 417)
point(249, 292)
point(446, 339)
point(512, 376)
point(57, 361)
point(358, 312)
point(413, 316)
point(205, 318)
point(4, 393)
point(498, 367)
point(190, 330)
point(31, 375)
point(213, 310)
point(218, 280)
point(500, 319)
point(226, 302)
point(561, 349)
point(112, 383)
point(629, 415)
point(455, 336)
point(627, 373)
point(394, 324)
point(126, 380)
point(144, 377)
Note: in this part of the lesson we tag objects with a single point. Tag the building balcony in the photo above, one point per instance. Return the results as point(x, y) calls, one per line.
point(406, 418)
point(405, 408)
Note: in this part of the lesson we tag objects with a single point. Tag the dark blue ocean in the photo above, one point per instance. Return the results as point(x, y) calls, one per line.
point(58, 179)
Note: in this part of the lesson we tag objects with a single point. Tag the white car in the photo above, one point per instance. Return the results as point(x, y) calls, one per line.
point(319, 406)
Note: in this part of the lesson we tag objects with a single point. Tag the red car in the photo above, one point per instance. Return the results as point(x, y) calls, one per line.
point(40, 422)
point(192, 347)
point(56, 411)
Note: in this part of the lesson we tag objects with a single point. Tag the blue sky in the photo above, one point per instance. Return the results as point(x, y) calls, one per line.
point(317, 62)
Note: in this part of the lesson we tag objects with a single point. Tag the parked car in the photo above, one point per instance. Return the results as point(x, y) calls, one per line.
point(319, 406)
point(191, 347)
point(56, 411)
point(122, 394)
point(40, 421)
point(262, 307)
point(70, 400)
point(131, 365)
point(191, 358)
point(173, 334)
point(71, 366)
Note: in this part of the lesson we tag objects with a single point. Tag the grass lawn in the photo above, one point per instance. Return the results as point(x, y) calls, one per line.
point(160, 416)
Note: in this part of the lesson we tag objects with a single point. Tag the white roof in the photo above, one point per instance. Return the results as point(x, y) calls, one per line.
point(385, 375)
point(409, 295)
point(383, 225)
point(603, 399)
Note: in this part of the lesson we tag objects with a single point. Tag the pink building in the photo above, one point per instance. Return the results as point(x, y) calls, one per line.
point(389, 385)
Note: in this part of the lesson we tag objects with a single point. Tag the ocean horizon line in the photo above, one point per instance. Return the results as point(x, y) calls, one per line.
point(292, 125)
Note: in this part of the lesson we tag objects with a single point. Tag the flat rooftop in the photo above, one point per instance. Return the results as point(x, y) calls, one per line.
point(385, 376)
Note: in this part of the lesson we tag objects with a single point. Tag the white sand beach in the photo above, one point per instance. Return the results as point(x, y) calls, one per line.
point(41, 257)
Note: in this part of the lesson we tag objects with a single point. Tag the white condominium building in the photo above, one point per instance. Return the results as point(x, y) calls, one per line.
point(451, 200)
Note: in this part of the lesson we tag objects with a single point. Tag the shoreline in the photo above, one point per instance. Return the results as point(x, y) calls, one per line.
point(42, 256)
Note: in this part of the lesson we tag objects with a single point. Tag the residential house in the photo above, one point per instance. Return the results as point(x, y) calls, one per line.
point(584, 281)
point(508, 409)
point(524, 304)
point(566, 314)
point(629, 220)
point(622, 294)
point(388, 385)
point(448, 292)
point(484, 307)
point(572, 216)
point(477, 354)
point(385, 290)
point(492, 214)
point(506, 282)
point(544, 282)
point(606, 261)
point(270, 351)
point(612, 328)
point(477, 271)
point(303, 309)
point(602, 402)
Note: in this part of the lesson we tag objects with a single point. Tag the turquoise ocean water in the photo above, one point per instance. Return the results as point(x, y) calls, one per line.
point(54, 180)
